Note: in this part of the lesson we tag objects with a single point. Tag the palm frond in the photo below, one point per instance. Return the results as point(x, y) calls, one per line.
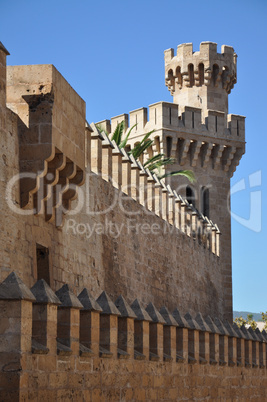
point(139, 149)
point(117, 135)
point(186, 173)
point(153, 159)
point(124, 142)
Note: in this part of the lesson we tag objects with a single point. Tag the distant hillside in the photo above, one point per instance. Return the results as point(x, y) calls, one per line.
point(256, 316)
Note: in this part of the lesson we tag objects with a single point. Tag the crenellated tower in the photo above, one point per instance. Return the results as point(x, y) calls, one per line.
point(201, 79)
point(199, 134)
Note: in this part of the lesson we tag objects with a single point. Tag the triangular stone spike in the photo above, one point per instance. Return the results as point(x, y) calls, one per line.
point(68, 298)
point(179, 319)
point(87, 125)
point(253, 334)
point(201, 322)
point(210, 323)
point(240, 334)
point(154, 314)
point(134, 161)
point(12, 288)
point(230, 329)
point(88, 302)
point(124, 308)
point(139, 311)
point(2, 47)
point(44, 294)
point(95, 131)
point(191, 322)
point(125, 156)
point(106, 140)
point(259, 334)
point(107, 305)
point(221, 326)
point(246, 333)
point(264, 335)
point(167, 316)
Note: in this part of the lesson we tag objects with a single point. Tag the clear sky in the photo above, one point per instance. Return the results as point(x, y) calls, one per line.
point(111, 52)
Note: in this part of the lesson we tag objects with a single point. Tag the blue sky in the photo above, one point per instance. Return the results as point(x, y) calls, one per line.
point(111, 52)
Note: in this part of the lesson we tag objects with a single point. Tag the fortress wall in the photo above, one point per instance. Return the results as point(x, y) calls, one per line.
point(125, 358)
point(171, 264)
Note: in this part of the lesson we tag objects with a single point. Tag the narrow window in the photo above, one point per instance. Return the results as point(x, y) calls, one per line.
point(216, 124)
point(237, 128)
point(179, 77)
point(42, 257)
point(225, 73)
point(191, 75)
point(193, 120)
point(150, 152)
point(215, 73)
point(205, 202)
point(170, 115)
point(190, 196)
point(169, 146)
point(201, 74)
point(156, 139)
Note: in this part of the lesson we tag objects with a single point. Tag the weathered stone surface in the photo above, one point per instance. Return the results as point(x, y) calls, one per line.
point(140, 311)
point(180, 319)
point(124, 308)
point(168, 318)
point(155, 314)
point(201, 322)
point(12, 288)
point(191, 322)
point(107, 305)
point(88, 302)
point(44, 294)
point(68, 298)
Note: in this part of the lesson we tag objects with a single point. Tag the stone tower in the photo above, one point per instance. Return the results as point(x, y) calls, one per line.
point(209, 140)
point(201, 79)
point(199, 134)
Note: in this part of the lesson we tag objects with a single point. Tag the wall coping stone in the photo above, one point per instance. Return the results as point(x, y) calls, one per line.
point(107, 305)
point(88, 302)
point(124, 308)
point(44, 294)
point(12, 288)
point(68, 298)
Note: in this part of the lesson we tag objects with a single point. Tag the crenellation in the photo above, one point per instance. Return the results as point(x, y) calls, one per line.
point(138, 117)
point(128, 232)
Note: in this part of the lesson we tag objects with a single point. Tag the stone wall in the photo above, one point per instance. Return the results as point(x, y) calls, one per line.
point(165, 250)
point(58, 347)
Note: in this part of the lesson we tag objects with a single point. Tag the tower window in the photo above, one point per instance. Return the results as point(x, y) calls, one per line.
point(157, 143)
point(42, 257)
point(215, 73)
point(179, 77)
point(191, 75)
point(169, 146)
point(190, 196)
point(205, 201)
point(201, 74)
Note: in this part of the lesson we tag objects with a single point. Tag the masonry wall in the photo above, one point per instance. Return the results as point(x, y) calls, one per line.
point(160, 267)
point(179, 360)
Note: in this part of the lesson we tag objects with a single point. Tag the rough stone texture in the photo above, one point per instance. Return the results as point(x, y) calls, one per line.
point(142, 242)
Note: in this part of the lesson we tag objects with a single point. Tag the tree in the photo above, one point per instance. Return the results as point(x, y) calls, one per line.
point(248, 322)
point(156, 163)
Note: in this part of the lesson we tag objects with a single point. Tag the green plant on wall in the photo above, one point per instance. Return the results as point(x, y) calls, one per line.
point(157, 163)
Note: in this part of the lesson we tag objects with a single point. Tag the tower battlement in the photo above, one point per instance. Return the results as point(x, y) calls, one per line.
point(203, 78)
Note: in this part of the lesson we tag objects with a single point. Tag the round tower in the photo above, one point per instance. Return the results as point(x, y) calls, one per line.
point(201, 79)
